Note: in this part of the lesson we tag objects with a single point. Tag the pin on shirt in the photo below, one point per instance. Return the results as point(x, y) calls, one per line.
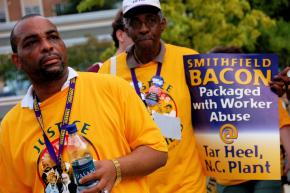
point(155, 90)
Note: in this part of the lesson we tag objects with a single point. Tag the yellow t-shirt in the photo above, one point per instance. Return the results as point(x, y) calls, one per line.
point(183, 171)
point(284, 120)
point(107, 113)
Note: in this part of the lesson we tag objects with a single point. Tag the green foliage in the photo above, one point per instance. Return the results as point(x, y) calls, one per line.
point(75, 6)
point(203, 25)
point(85, 5)
point(109, 52)
point(80, 57)
point(6, 67)
point(253, 25)
point(280, 40)
point(256, 26)
point(261, 26)
point(276, 40)
point(274, 8)
point(10, 75)
point(89, 4)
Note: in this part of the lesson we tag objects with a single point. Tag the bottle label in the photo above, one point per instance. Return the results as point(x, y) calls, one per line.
point(83, 167)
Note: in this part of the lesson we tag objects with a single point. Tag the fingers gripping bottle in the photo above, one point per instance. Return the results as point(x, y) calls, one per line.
point(80, 157)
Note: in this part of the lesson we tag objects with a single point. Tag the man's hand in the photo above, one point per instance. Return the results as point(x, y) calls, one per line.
point(105, 173)
point(279, 84)
point(140, 162)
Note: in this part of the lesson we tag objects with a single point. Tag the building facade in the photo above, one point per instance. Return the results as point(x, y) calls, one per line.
point(12, 10)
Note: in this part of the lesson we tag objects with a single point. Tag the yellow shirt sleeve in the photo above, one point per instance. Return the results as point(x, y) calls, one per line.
point(105, 69)
point(9, 180)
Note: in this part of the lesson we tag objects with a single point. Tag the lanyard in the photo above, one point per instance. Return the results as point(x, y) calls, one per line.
point(135, 80)
point(65, 121)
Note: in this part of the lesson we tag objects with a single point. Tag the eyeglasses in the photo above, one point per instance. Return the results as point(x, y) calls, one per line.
point(150, 21)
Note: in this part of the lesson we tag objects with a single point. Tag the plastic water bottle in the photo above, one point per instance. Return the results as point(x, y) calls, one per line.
point(80, 157)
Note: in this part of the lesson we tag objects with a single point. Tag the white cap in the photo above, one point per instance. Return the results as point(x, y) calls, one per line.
point(130, 4)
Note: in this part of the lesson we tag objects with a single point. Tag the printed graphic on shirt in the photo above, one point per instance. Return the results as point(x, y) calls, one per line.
point(161, 106)
point(58, 180)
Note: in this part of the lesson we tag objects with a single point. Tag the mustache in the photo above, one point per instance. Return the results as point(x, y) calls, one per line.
point(49, 56)
point(144, 37)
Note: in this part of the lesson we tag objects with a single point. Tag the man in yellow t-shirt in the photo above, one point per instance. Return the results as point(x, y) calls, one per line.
point(123, 138)
point(156, 71)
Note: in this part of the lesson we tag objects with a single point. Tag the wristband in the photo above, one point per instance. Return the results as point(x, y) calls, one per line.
point(118, 171)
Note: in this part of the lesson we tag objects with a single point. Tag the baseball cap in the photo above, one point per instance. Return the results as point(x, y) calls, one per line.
point(129, 5)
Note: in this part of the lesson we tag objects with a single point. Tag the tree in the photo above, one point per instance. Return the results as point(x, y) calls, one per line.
point(203, 25)
point(278, 9)
point(76, 6)
point(277, 38)
point(6, 67)
point(84, 55)
point(85, 5)
point(260, 26)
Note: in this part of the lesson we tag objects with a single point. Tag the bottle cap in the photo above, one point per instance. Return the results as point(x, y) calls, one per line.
point(71, 128)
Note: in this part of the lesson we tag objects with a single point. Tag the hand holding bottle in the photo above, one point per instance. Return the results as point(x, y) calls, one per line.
point(105, 173)
point(90, 176)
point(80, 158)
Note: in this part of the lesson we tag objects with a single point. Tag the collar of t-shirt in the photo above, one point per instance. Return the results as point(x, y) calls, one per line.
point(27, 101)
point(132, 62)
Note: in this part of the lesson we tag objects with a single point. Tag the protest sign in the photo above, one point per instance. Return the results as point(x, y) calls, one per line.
point(235, 115)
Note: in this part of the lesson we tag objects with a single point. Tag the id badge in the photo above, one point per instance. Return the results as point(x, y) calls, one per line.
point(169, 126)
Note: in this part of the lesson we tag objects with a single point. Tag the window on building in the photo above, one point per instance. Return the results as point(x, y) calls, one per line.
point(2, 11)
point(32, 10)
point(31, 6)
point(2, 16)
point(62, 8)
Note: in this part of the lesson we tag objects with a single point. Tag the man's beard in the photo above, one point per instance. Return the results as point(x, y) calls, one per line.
point(53, 75)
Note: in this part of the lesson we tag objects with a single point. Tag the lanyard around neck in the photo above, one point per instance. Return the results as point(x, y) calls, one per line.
point(135, 80)
point(65, 121)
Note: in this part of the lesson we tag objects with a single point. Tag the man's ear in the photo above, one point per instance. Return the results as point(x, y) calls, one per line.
point(119, 35)
point(163, 24)
point(16, 61)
